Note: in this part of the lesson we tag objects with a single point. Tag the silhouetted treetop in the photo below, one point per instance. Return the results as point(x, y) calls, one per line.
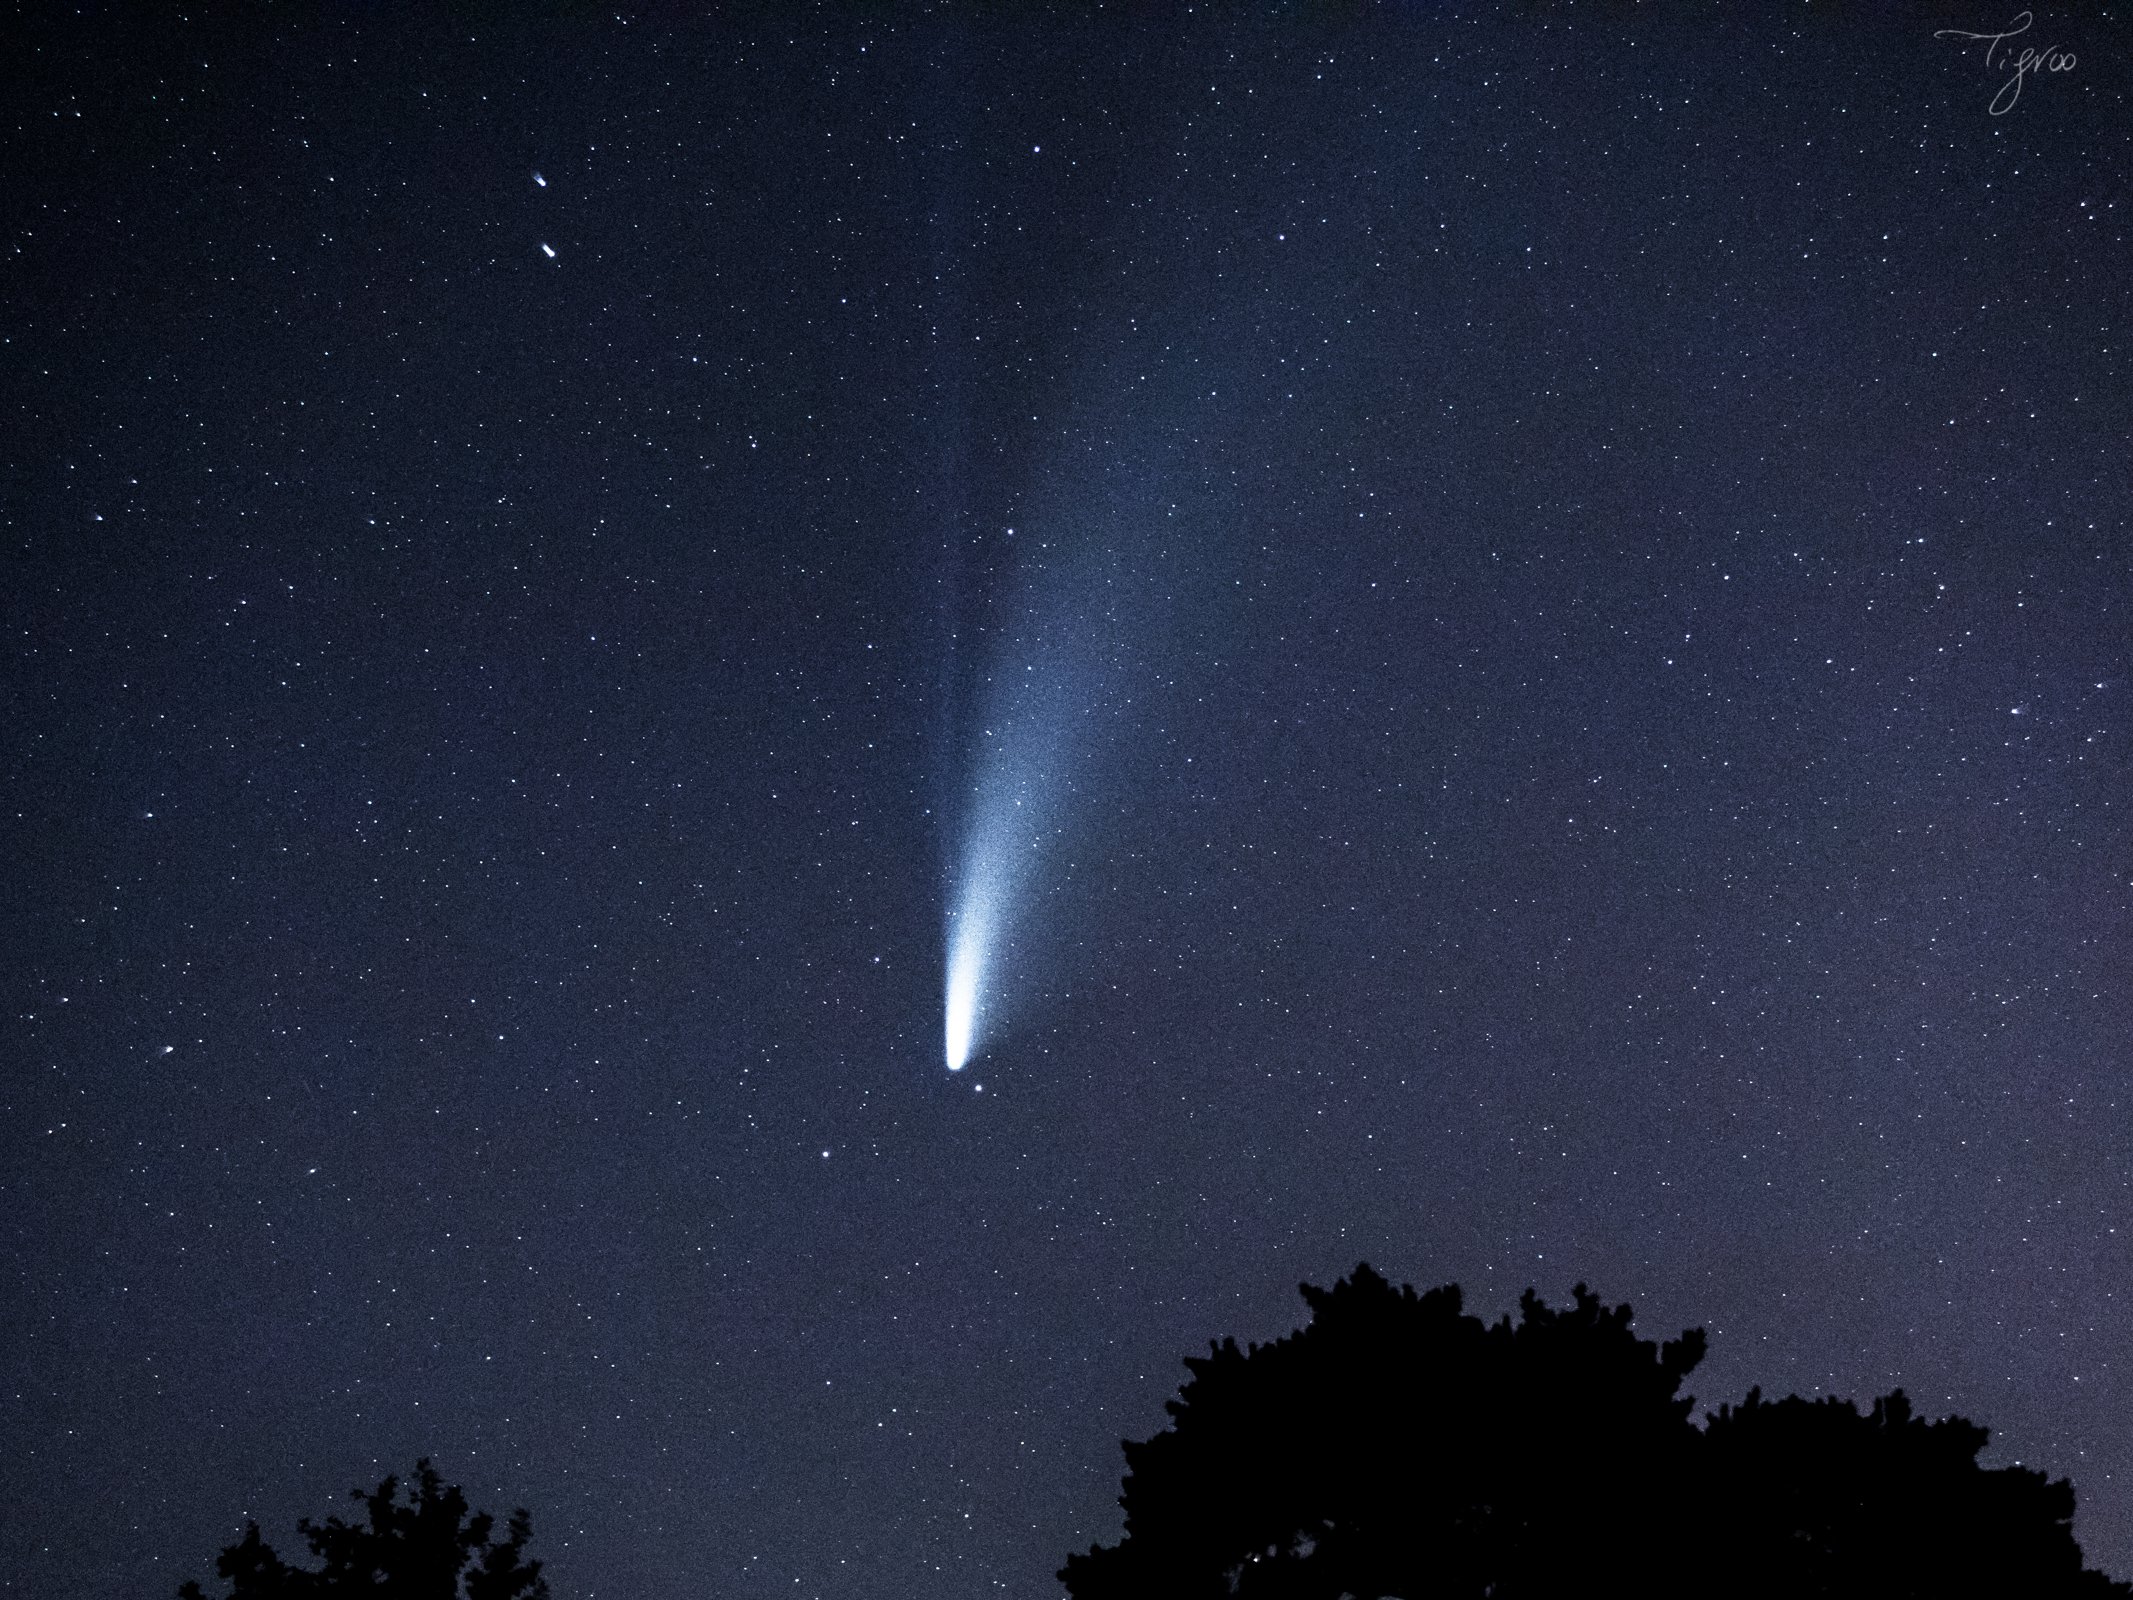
point(1896, 1504)
point(428, 1548)
point(1396, 1447)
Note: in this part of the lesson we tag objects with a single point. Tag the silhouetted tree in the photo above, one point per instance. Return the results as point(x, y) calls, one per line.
point(1395, 1447)
point(1832, 1502)
point(425, 1549)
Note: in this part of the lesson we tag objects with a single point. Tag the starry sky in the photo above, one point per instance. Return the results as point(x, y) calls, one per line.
point(1555, 581)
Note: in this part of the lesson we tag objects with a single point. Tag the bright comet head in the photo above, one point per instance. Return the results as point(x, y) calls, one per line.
point(966, 965)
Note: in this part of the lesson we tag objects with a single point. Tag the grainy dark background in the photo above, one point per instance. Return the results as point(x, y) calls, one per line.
point(1595, 546)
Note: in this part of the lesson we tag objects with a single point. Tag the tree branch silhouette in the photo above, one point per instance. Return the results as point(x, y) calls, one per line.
point(426, 1548)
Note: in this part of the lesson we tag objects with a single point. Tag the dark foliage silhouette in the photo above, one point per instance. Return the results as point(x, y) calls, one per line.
point(1396, 1447)
point(425, 1548)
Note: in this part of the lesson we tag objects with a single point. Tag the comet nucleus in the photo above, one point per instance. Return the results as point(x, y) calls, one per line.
point(966, 972)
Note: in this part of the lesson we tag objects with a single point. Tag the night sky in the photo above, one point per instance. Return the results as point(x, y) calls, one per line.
point(1514, 627)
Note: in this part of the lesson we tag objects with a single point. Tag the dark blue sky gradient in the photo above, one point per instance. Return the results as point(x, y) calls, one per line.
point(1599, 550)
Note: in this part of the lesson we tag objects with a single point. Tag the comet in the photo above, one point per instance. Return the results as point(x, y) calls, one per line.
point(1044, 707)
point(966, 974)
point(1020, 776)
point(1004, 840)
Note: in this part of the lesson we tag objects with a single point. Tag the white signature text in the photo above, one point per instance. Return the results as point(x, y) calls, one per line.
point(2050, 59)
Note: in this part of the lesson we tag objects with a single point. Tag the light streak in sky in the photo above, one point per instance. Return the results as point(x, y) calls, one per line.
point(1042, 691)
point(1006, 830)
point(967, 941)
